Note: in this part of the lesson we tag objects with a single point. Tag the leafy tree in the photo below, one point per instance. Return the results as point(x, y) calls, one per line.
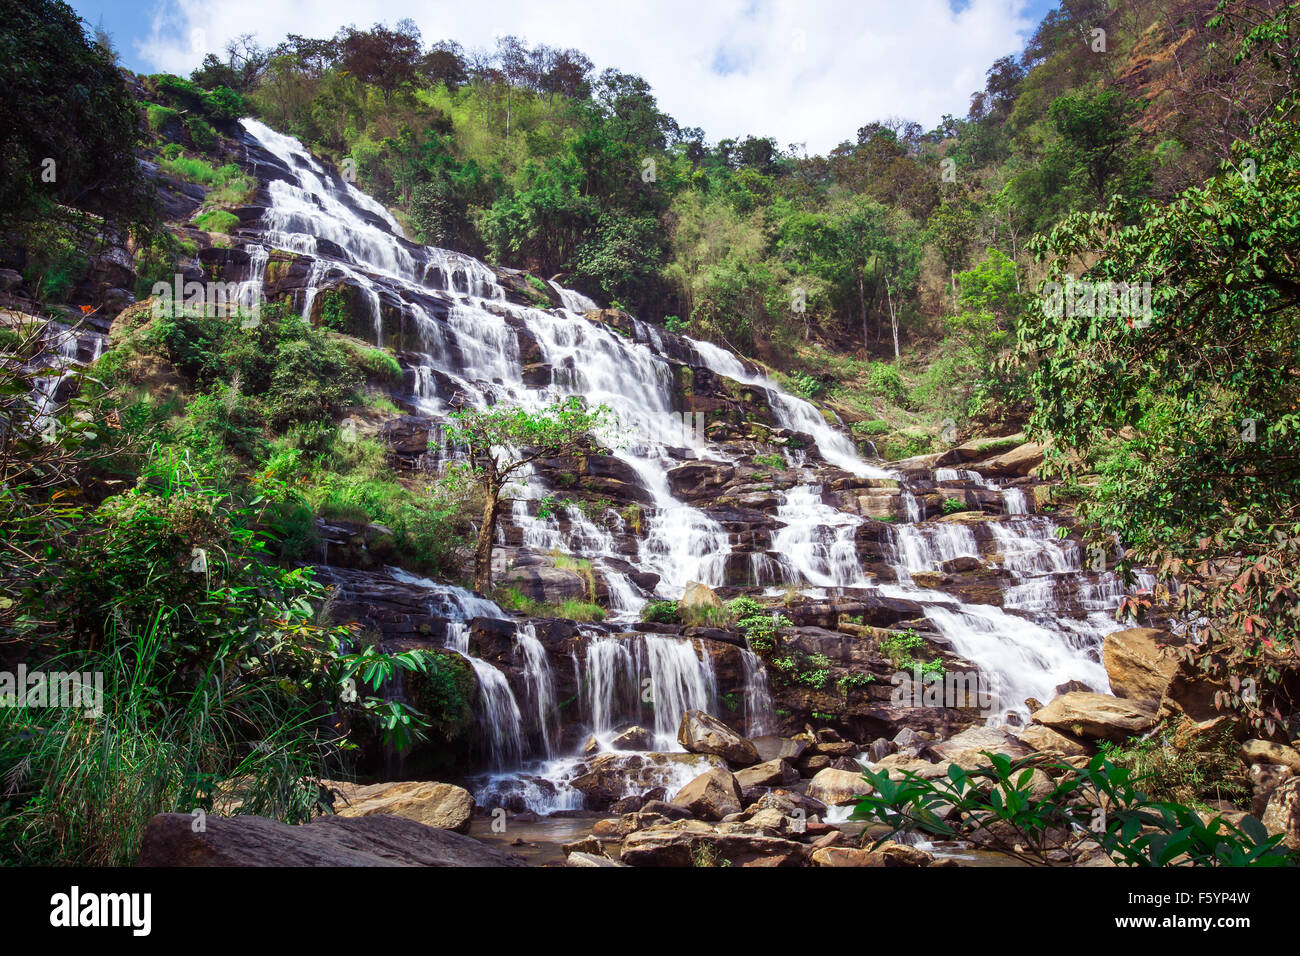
point(503, 441)
point(71, 126)
point(1097, 134)
point(1191, 410)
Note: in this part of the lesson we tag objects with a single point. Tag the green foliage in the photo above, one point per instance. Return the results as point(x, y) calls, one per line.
point(1203, 395)
point(660, 612)
point(217, 220)
point(1099, 806)
point(953, 505)
point(1186, 764)
point(71, 126)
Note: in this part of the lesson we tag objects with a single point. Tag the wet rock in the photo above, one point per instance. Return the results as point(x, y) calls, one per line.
point(880, 748)
point(670, 811)
point(377, 840)
point(1096, 716)
point(837, 788)
point(711, 795)
point(612, 776)
point(634, 738)
point(444, 806)
point(689, 842)
point(702, 733)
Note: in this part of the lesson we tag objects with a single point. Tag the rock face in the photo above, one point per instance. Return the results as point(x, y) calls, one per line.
point(837, 787)
point(378, 840)
point(1283, 813)
point(710, 796)
point(1096, 716)
point(699, 595)
point(443, 806)
point(701, 733)
point(1136, 667)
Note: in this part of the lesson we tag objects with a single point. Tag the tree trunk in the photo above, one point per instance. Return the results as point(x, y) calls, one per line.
point(487, 533)
point(893, 321)
point(862, 297)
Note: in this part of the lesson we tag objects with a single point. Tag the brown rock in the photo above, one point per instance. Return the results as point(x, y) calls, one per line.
point(703, 733)
point(711, 795)
point(441, 805)
point(1283, 813)
point(837, 787)
point(1137, 668)
point(376, 840)
point(1096, 716)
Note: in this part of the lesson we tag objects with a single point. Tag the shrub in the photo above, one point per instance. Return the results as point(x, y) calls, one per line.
point(217, 220)
point(660, 612)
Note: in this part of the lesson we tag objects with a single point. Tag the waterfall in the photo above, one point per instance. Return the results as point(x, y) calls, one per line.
point(464, 343)
point(539, 682)
point(760, 715)
point(497, 714)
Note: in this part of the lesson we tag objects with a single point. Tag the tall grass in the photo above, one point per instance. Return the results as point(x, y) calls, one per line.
point(80, 790)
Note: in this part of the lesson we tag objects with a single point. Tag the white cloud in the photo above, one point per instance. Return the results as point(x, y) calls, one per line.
point(810, 71)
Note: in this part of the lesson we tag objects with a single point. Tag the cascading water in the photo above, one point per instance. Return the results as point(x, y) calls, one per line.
point(464, 345)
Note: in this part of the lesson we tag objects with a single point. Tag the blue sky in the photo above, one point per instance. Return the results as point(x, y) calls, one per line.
point(804, 71)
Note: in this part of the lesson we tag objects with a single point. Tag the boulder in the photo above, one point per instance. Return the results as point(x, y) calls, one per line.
point(610, 777)
point(771, 747)
point(702, 733)
point(583, 859)
point(1137, 668)
point(669, 811)
point(1266, 751)
point(837, 788)
point(711, 795)
point(376, 840)
point(1096, 716)
point(691, 843)
point(967, 748)
point(699, 595)
point(1015, 463)
point(634, 738)
point(1048, 741)
point(773, 773)
point(846, 856)
point(1283, 813)
point(444, 806)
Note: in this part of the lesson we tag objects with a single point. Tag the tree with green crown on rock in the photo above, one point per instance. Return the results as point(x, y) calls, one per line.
point(503, 440)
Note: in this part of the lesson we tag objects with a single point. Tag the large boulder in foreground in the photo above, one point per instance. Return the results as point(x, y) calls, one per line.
point(701, 733)
point(443, 806)
point(837, 787)
point(1096, 716)
point(1137, 668)
point(711, 795)
point(378, 840)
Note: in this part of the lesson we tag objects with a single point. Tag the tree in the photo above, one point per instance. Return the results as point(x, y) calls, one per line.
point(1098, 133)
point(1189, 412)
point(71, 127)
point(503, 441)
point(385, 58)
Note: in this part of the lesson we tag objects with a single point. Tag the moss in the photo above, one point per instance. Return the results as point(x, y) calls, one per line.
point(217, 220)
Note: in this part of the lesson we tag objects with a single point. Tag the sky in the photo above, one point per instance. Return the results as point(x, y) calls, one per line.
point(803, 71)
